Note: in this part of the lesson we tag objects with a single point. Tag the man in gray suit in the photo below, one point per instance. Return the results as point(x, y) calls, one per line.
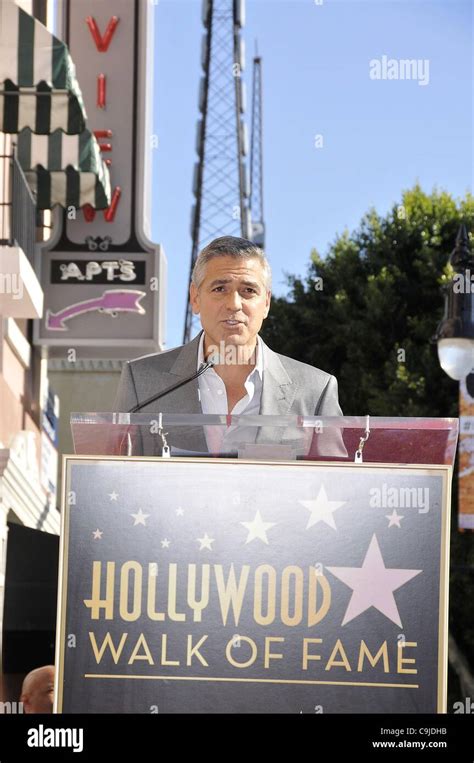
point(231, 291)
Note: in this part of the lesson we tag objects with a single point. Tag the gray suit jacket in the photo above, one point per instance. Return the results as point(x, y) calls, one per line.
point(289, 388)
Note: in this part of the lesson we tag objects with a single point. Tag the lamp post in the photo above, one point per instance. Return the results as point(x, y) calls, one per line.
point(455, 337)
point(455, 333)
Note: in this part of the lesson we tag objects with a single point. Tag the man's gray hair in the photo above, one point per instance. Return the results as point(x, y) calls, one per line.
point(230, 246)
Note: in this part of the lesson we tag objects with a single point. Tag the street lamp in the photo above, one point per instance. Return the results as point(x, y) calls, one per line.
point(455, 333)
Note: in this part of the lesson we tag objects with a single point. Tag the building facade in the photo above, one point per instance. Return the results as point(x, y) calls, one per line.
point(41, 108)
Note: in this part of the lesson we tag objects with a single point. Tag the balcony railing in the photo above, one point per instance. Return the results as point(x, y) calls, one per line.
point(17, 208)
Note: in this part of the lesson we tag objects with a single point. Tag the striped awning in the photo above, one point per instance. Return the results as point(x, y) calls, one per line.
point(38, 85)
point(64, 169)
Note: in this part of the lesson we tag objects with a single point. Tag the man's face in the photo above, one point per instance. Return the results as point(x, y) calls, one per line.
point(40, 693)
point(232, 300)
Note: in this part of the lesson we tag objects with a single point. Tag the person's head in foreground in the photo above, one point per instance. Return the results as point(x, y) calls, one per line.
point(38, 690)
point(231, 290)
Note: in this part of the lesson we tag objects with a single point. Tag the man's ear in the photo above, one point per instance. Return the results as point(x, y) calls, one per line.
point(269, 297)
point(194, 298)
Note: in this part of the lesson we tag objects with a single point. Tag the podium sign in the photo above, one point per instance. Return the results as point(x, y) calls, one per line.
point(220, 585)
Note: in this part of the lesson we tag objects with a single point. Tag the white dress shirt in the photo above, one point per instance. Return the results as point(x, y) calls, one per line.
point(213, 397)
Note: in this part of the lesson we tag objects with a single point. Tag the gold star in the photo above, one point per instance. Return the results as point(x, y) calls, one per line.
point(140, 518)
point(257, 528)
point(205, 542)
point(322, 509)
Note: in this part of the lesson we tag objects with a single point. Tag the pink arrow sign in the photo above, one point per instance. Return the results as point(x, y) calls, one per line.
point(111, 302)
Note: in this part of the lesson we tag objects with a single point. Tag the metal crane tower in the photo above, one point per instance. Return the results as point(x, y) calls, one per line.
point(221, 185)
point(256, 156)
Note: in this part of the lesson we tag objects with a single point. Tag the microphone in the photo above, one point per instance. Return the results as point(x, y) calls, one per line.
point(213, 360)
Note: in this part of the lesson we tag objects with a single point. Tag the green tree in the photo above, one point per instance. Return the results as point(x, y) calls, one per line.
point(367, 313)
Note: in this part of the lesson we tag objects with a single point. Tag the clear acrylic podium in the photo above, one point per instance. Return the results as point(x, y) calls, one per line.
point(390, 440)
point(264, 564)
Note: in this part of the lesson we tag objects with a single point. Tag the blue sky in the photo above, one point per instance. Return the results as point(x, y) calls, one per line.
point(380, 137)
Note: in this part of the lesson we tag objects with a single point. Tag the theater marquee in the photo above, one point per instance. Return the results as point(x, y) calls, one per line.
point(103, 277)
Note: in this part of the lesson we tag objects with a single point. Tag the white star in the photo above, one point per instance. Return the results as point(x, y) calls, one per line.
point(113, 496)
point(322, 509)
point(394, 519)
point(179, 512)
point(257, 528)
point(205, 542)
point(98, 534)
point(140, 518)
point(165, 543)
